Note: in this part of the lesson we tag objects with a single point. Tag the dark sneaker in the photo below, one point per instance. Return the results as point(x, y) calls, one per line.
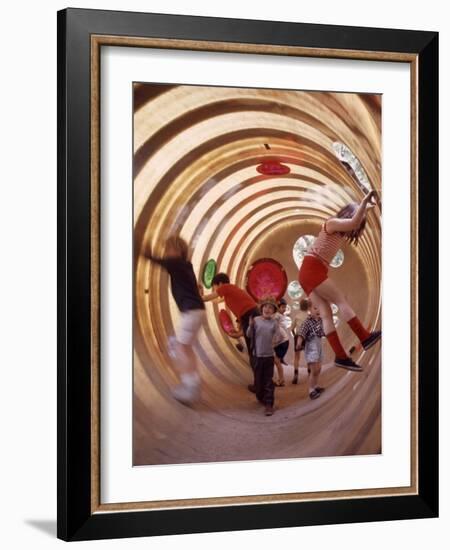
point(371, 340)
point(348, 364)
point(251, 387)
point(269, 410)
point(315, 394)
point(295, 379)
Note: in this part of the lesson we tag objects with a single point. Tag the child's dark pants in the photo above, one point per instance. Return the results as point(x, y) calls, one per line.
point(265, 391)
point(244, 322)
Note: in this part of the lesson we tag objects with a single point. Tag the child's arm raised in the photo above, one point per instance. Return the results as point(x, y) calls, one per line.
point(148, 254)
point(209, 297)
point(343, 225)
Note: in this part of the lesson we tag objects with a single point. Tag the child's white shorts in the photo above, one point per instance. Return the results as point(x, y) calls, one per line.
point(189, 325)
point(313, 350)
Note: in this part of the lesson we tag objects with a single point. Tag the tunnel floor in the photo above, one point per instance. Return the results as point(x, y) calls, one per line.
point(230, 425)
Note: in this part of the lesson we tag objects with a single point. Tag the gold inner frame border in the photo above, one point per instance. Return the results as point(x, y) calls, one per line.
point(97, 41)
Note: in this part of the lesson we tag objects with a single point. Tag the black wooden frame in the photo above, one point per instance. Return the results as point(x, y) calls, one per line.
point(75, 520)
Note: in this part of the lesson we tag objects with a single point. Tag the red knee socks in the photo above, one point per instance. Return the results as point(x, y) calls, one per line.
point(358, 329)
point(336, 345)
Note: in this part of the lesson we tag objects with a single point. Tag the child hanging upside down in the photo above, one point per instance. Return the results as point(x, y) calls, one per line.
point(347, 225)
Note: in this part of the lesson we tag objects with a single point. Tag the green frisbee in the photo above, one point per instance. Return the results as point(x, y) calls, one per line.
point(209, 272)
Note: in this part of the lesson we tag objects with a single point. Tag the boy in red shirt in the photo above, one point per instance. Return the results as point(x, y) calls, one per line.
point(239, 302)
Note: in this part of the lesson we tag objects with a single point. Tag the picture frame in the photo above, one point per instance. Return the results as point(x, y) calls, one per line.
point(81, 35)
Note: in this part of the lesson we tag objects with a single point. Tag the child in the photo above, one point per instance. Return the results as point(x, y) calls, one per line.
point(281, 345)
point(240, 303)
point(348, 224)
point(263, 330)
point(301, 316)
point(192, 313)
point(311, 332)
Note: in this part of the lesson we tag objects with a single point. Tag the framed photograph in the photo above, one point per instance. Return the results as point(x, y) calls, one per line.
point(247, 274)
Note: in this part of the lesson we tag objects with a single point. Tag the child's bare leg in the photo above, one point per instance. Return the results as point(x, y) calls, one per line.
point(315, 369)
point(325, 311)
point(186, 360)
point(331, 293)
point(296, 365)
point(314, 389)
point(189, 390)
point(280, 372)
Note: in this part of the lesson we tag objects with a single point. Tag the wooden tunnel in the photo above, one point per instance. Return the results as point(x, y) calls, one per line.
point(196, 152)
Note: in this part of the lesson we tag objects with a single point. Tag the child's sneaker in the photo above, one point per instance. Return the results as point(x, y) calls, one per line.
point(348, 364)
point(269, 410)
point(371, 339)
point(187, 395)
point(314, 394)
point(295, 379)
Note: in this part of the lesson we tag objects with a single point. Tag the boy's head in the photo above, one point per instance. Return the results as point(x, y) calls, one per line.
point(282, 306)
point(305, 304)
point(315, 312)
point(176, 247)
point(268, 307)
point(219, 280)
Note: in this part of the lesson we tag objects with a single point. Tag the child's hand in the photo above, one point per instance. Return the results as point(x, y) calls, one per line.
point(371, 199)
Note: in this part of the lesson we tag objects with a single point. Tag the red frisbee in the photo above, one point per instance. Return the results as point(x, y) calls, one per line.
point(225, 321)
point(266, 278)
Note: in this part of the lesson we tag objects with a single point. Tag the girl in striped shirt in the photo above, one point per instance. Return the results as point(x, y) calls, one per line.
point(347, 225)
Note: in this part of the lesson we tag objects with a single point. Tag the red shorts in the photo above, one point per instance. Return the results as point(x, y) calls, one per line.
point(312, 272)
